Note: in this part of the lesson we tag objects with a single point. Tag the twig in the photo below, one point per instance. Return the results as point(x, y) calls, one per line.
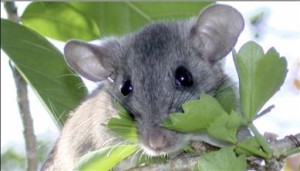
point(187, 162)
point(263, 142)
point(23, 103)
point(288, 145)
point(267, 110)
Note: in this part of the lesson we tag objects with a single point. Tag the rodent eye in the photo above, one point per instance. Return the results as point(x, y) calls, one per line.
point(126, 88)
point(132, 116)
point(183, 77)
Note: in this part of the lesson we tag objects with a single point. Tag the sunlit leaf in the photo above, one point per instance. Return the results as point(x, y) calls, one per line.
point(43, 67)
point(124, 17)
point(222, 160)
point(106, 158)
point(225, 127)
point(59, 20)
point(123, 126)
point(250, 147)
point(86, 20)
point(226, 96)
point(260, 76)
point(197, 115)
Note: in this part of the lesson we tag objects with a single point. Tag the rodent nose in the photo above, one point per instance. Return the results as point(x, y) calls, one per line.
point(157, 141)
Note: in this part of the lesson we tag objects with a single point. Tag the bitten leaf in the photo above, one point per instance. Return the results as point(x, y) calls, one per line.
point(197, 115)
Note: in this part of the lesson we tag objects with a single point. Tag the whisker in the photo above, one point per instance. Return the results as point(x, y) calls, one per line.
point(142, 153)
point(135, 155)
point(105, 143)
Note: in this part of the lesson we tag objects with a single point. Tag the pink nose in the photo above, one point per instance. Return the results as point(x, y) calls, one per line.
point(157, 141)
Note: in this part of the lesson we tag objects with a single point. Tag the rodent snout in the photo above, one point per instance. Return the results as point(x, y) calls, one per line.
point(157, 140)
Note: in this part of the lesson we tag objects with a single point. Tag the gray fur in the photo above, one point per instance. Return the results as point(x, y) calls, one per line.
point(149, 59)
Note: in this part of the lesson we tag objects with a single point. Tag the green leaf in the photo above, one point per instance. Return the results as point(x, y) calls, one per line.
point(59, 20)
point(225, 127)
point(197, 115)
point(106, 158)
point(250, 147)
point(227, 98)
point(170, 10)
point(85, 20)
point(222, 160)
point(43, 67)
point(260, 75)
point(123, 126)
point(124, 17)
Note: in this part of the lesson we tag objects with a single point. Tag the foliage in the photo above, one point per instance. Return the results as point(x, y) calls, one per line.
point(124, 126)
point(260, 76)
point(60, 21)
point(13, 160)
point(106, 158)
point(222, 160)
point(43, 67)
point(197, 115)
point(90, 20)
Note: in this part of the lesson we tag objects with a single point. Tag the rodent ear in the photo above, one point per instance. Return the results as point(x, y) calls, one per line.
point(216, 31)
point(94, 62)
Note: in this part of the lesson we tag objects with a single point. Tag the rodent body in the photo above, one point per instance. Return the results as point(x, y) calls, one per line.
point(78, 138)
point(151, 73)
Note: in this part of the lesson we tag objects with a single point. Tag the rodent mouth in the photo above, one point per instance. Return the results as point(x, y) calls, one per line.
point(166, 151)
point(153, 153)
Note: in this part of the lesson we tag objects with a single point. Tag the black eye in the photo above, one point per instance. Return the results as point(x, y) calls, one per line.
point(132, 116)
point(126, 88)
point(183, 77)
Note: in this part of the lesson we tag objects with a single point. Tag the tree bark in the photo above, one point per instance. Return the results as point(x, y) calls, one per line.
point(23, 103)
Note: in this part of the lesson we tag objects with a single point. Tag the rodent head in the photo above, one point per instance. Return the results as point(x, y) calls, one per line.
point(160, 67)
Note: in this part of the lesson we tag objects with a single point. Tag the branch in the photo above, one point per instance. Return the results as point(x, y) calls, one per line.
point(188, 161)
point(178, 164)
point(289, 145)
point(23, 103)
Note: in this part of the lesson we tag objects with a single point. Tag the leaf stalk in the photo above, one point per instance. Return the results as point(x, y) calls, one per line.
point(264, 144)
